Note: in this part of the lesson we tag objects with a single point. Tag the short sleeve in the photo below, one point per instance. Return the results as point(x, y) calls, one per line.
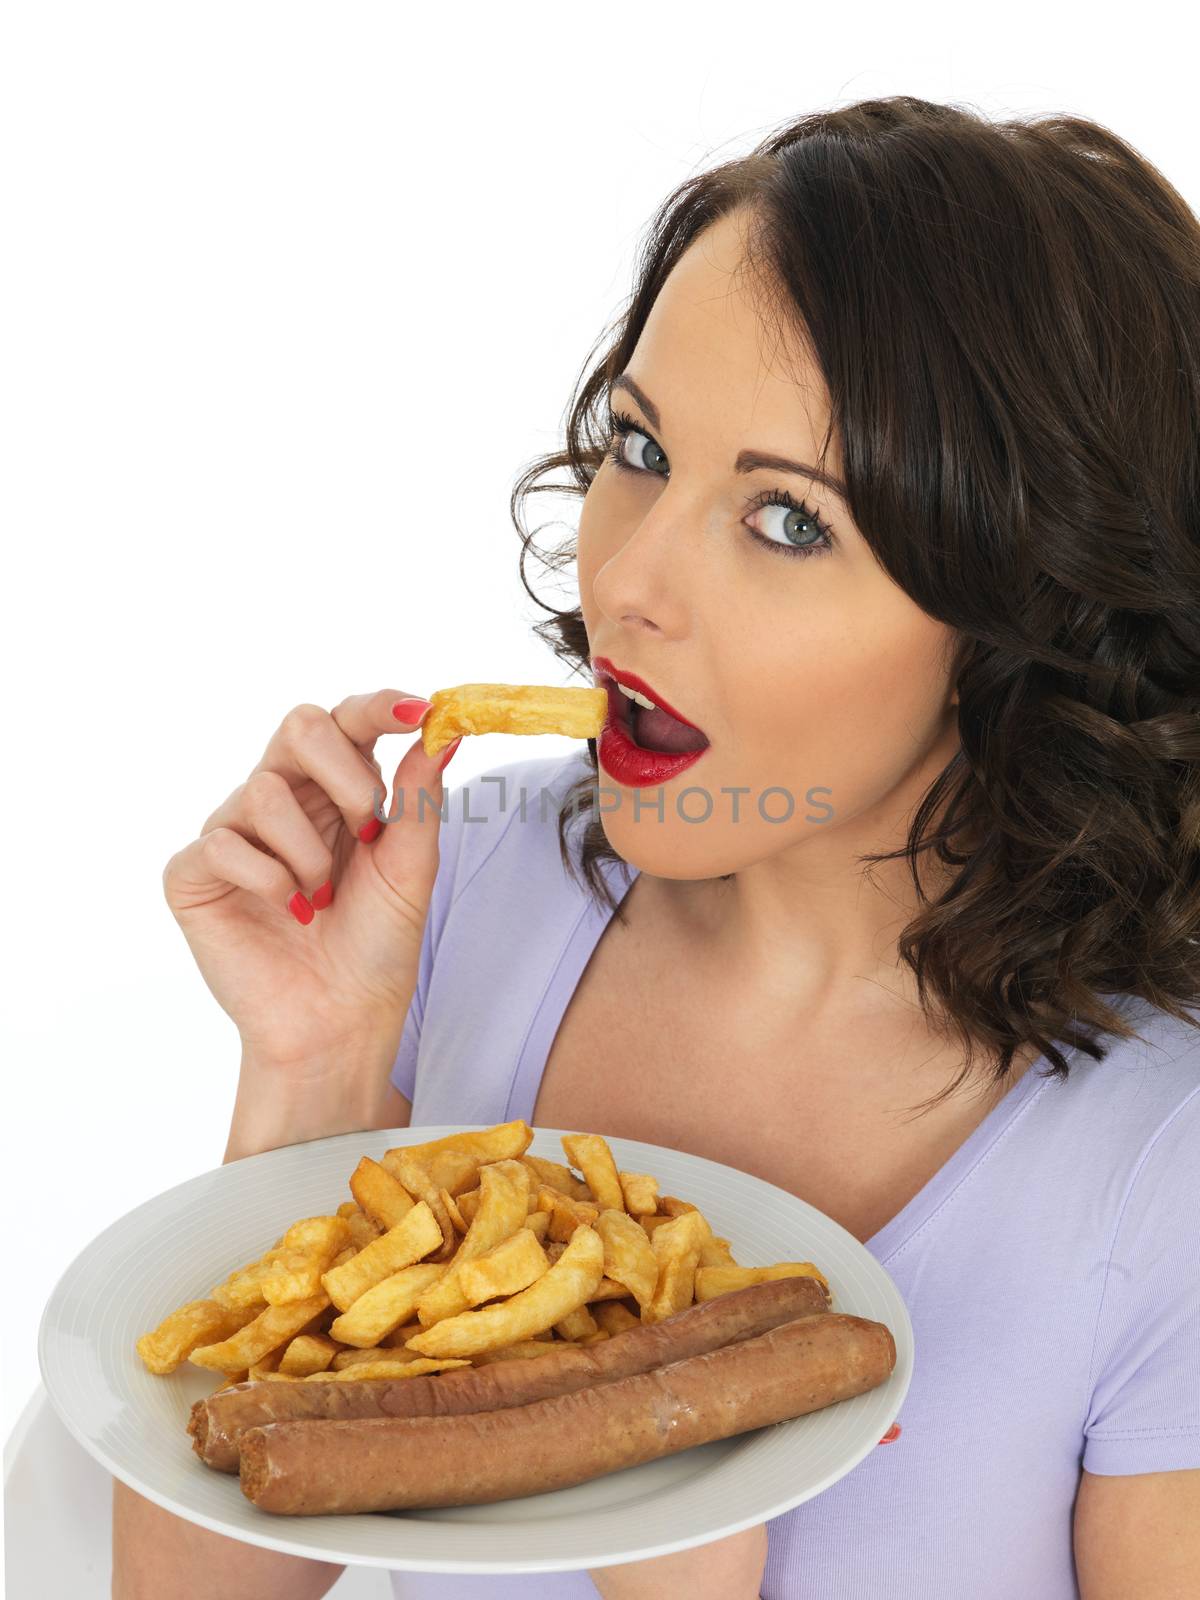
point(1144, 1414)
point(477, 815)
point(403, 1075)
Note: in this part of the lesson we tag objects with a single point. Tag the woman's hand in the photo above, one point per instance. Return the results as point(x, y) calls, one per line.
point(302, 832)
point(726, 1569)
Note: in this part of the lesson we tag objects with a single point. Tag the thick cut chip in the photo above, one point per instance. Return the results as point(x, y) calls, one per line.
point(402, 1334)
point(565, 1215)
point(614, 1318)
point(608, 1289)
point(400, 1246)
point(389, 1367)
point(177, 1335)
point(277, 1325)
point(716, 1280)
point(591, 1154)
point(268, 1364)
point(461, 1223)
point(629, 1256)
point(676, 1247)
point(381, 1196)
point(500, 1215)
point(350, 1358)
point(308, 1352)
point(309, 1247)
point(569, 1283)
point(497, 1143)
point(385, 1306)
point(512, 708)
point(641, 1193)
point(242, 1289)
point(507, 1268)
point(537, 1346)
point(577, 1325)
point(651, 1223)
point(417, 1178)
point(554, 1175)
point(717, 1253)
point(362, 1230)
point(538, 1224)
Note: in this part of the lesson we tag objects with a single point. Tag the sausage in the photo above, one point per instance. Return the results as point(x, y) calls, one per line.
point(218, 1420)
point(404, 1463)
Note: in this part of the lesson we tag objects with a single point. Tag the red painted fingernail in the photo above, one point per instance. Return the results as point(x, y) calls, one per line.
point(370, 830)
point(892, 1433)
point(450, 749)
point(300, 908)
point(323, 895)
point(410, 710)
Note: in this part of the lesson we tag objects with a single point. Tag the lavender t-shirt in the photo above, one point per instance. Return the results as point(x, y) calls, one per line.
point(1051, 1268)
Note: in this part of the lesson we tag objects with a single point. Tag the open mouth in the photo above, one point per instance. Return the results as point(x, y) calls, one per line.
point(650, 727)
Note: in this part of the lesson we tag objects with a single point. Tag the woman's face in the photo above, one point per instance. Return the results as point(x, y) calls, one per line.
point(812, 674)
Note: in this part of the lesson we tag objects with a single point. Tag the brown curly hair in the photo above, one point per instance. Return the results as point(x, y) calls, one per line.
point(1007, 319)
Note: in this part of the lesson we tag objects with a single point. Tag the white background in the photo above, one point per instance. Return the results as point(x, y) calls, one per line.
point(291, 294)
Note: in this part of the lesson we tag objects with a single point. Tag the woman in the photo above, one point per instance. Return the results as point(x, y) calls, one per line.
point(890, 490)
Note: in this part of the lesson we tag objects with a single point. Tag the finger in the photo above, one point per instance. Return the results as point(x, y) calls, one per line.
point(222, 860)
point(333, 750)
point(270, 814)
point(364, 717)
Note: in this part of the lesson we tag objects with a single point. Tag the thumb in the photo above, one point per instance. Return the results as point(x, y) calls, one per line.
point(406, 848)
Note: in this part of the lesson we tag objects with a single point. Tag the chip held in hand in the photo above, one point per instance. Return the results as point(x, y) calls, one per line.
point(511, 708)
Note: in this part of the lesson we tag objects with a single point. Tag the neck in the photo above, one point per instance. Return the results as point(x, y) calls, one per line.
point(812, 928)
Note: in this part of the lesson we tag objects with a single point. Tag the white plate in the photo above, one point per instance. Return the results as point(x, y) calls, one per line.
point(175, 1247)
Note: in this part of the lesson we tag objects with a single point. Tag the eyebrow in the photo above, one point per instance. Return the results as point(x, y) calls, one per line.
point(747, 460)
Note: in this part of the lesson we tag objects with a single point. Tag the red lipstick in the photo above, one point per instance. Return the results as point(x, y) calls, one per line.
point(620, 755)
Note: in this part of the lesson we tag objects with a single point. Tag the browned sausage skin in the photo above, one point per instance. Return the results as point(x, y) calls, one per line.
point(387, 1464)
point(218, 1421)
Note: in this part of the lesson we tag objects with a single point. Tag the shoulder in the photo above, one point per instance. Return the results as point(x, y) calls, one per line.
point(1153, 1072)
point(1162, 1072)
point(1144, 1406)
point(1141, 1104)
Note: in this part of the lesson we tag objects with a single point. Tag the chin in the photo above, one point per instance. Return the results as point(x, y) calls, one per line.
point(670, 849)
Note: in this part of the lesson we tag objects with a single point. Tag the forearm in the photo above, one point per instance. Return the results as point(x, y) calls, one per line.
point(279, 1105)
point(155, 1554)
point(614, 1583)
point(724, 1569)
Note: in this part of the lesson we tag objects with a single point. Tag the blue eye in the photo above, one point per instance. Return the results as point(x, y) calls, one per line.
point(623, 427)
point(803, 530)
point(804, 533)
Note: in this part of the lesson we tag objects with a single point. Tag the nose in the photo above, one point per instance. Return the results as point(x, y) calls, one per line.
point(644, 583)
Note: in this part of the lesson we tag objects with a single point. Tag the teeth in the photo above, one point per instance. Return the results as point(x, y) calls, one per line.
point(641, 699)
